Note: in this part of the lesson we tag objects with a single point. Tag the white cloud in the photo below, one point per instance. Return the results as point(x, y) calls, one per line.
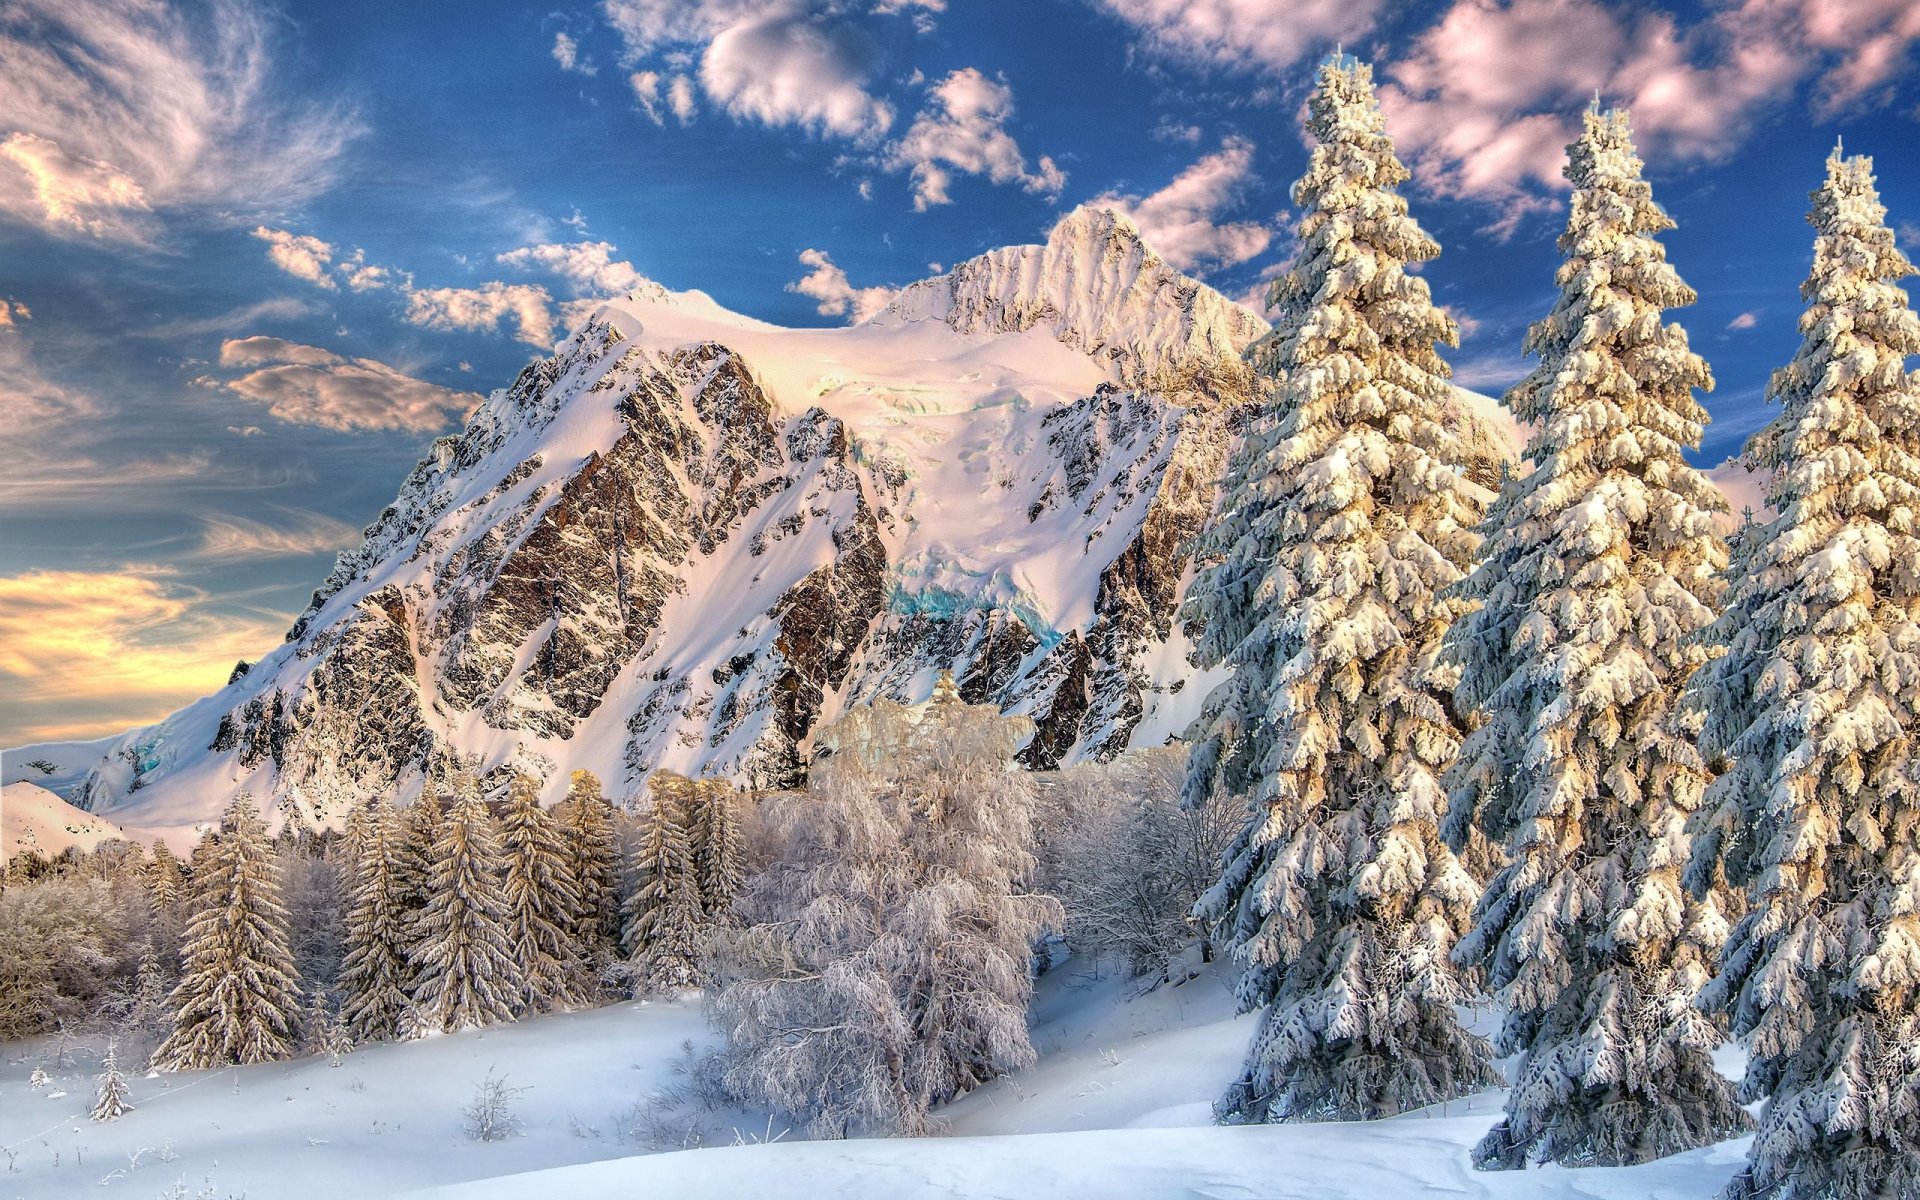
point(112, 111)
point(1746, 320)
point(646, 89)
point(789, 66)
point(1908, 234)
point(224, 536)
point(1239, 33)
point(74, 194)
point(246, 431)
point(12, 311)
point(963, 129)
point(680, 98)
point(1491, 373)
point(801, 63)
point(483, 308)
point(566, 52)
point(363, 276)
point(827, 284)
point(589, 266)
point(1179, 220)
point(1485, 101)
point(299, 255)
point(307, 385)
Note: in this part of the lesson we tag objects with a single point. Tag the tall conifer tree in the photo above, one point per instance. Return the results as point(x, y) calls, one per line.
point(1813, 706)
point(541, 898)
point(1599, 567)
point(238, 1000)
point(1348, 515)
point(375, 978)
point(463, 961)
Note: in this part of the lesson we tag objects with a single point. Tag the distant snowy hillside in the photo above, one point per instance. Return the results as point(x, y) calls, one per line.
point(33, 818)
point(689, 536)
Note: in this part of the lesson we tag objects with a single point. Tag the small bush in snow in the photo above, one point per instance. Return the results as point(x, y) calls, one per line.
point(490, 1113)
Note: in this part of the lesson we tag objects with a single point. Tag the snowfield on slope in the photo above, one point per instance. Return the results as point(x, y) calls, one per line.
point(1117, 1106)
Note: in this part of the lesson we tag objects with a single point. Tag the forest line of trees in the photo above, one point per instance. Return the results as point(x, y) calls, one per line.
point(1681, 768)
point(867, 944)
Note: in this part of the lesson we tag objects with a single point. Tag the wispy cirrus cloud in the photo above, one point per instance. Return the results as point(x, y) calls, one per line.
point(1181, 220)
point(834, 296)
point(299, 532)
point(113, 112)
point(90, 653)
point(309, 385)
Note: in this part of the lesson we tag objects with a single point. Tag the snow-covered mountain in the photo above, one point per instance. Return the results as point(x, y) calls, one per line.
point(689, 537)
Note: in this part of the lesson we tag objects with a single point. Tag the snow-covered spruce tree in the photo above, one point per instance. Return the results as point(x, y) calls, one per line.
point(110, 1103)
point(375, 977)
point(462, 954)
point(1598, 568)
point(541, 899)
point(165, 878)
point(1346, 518)
point(665, 914)
point(237, 1000)
point(719, 854)
point(1813, 705)
point(147, 1012)
point(882, 966)
point(421, 824)
point(324, 1034)
point(586, 824)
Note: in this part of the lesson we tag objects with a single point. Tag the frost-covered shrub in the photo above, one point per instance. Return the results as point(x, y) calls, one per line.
point(69, 946)
point(882, 965)
point(1127, 862)
point(489, 1115)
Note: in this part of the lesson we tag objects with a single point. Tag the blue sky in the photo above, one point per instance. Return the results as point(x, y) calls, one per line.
point(253, 259)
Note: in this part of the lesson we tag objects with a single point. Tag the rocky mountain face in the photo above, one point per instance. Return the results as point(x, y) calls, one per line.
point(688, 538)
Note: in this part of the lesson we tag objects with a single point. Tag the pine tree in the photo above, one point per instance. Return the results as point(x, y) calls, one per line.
point(719, 857)
point(375, 976)
point(147, 1012)
point(111, 1102)
point(586, 823)
point(665, 915)
point(1347, 516)
point(1813, 707)
point(1598, 568)
point(237, 1000)
point(324, 1032)
point(462, 958)
point(165, 878)
point(541, 899)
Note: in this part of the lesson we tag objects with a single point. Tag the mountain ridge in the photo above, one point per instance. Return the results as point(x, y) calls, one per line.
point(688, 537)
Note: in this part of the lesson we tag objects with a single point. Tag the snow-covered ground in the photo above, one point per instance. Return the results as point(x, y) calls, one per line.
point(1117, 1106)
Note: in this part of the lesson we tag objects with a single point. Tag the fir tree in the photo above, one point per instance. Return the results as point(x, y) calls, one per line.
point(147, 1012)
point(1598, 568)
point(665, 914)
point(111, 1102)
point(324, 1033)
point(541, 899)
point(375, 976)
point(237, 1000)
point(462, 958)
point(586, 823)
point(1813, 706)
point(165, 879)
point(719, 856)
point(1347, 516)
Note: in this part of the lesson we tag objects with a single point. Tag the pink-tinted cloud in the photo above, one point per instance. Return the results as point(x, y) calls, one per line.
point(1234, 33)
point(1181, 220)
point(1484, 102)
point(833, 293)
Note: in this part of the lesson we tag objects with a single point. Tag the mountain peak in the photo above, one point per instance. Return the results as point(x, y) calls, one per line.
point(1099, 287)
